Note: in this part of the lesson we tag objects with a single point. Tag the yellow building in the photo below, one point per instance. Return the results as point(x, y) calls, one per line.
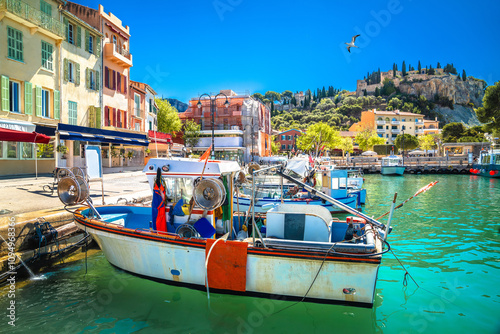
point(30, 48)
point(389, 124)
point(81, 83)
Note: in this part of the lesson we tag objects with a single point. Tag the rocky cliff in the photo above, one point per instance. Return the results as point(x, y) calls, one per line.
point(449, 86)
point(459, 113)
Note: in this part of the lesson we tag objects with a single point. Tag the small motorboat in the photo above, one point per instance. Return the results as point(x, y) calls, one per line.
point(392, 165)
point(292, 251)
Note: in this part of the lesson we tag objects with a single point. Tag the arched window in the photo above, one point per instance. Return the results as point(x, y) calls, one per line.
point(379, 119)
point(114, 39)
point(394, 119)
point(403, 120)
point(387, 119)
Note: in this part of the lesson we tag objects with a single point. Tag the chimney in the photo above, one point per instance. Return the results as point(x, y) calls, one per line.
point(436, 119)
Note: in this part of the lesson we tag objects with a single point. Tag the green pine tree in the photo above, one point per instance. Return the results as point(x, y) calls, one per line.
point(419, 67)
point(464, 76)
point(403, 68)
point(438, 65)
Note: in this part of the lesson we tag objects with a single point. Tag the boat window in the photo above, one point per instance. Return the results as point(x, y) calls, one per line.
point(486, 159)
point(181, 187)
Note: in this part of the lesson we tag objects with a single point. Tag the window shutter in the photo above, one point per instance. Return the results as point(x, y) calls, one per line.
point(98, 46)
point(5, 93)
point(28, 98)
point(87, 78)
point(91, 120)
point(114, 116)
point(106, 77)
point(97, 80)
point(38, 101)
point(98, 118)
point(57, 105)
point(125, 119)
point(79, 36)
point(119, 79)
point(106, 116)
point(66, 74)
point(77, 74)
point(87, 42)
point(125, 84)
point(66, 27)
point(114, 80)
point(119, 118)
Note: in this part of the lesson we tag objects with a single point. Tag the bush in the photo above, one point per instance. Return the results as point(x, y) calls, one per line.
point(385, 149)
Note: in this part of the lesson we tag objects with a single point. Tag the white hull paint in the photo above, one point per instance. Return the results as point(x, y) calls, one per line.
point(266, 275)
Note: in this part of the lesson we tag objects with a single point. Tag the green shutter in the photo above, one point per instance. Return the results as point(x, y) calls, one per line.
point(98, 118)
point(79, 36)
point(87, 37)
point(38, 101)
point(97, 80)
point(66, 28)
point(97, 46)
point(5, 93)
point(28, 98)
point(87, 78)
point(77, 74)
point(57, 105)
point(66, 74)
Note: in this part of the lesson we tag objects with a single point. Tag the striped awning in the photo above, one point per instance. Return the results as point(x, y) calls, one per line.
point(73, 132)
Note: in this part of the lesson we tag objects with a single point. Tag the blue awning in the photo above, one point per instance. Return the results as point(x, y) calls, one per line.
point(92, 135)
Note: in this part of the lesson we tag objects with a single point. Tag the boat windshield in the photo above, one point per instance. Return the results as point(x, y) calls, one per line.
point(391, 161)
point(179, 187)
point(485, 159)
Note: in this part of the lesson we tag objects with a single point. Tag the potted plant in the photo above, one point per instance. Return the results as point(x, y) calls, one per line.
point(114, 154)
point(147, 151)
point(63, 150)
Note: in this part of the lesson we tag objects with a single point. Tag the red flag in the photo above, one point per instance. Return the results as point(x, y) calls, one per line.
point(311, 161)
point(206, 155)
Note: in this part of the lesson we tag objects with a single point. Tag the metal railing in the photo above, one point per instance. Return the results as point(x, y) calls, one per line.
point(33, 15)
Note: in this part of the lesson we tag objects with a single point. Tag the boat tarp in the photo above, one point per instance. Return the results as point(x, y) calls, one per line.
point(298, 166)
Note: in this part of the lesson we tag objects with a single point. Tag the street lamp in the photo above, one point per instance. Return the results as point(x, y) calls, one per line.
point(213, 105)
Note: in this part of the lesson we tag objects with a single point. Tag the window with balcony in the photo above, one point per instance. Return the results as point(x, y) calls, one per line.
point(380, 127)
point(15, 44)
point(47, 50)
point(403, 119)
point(72, 113)
point(45, 8)
point(283, 147)
point(394, 127)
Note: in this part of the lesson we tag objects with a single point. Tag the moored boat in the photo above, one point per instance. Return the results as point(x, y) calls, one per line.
point(392, 165)
point(488, 164)
point(294, 252)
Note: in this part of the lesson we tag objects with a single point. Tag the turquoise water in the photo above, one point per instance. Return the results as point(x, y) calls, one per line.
point(448, 238)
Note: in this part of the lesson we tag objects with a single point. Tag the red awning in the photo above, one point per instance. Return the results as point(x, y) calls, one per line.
point(21, 136)
point(159, 137)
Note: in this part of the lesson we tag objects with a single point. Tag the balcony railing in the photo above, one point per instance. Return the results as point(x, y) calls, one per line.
point(33, 15)
point(380, 122)
point(118, 55)
point(419, 122)
point(395, 131)
point(419, 131)
point(380, 130)
point(395, 122)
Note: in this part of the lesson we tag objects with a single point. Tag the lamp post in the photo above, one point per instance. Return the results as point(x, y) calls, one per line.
point(213, 105)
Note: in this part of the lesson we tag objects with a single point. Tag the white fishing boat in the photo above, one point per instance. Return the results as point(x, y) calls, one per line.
point(294, 252)
point(392, 165)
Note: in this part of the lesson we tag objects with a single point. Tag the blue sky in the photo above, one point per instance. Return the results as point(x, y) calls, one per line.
point(186, 48)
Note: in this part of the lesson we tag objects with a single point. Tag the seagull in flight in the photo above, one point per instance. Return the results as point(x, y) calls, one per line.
point(351, 45)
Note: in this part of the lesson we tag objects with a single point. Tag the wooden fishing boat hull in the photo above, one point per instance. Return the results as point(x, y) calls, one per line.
point(271, 273)
point(392, 170)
